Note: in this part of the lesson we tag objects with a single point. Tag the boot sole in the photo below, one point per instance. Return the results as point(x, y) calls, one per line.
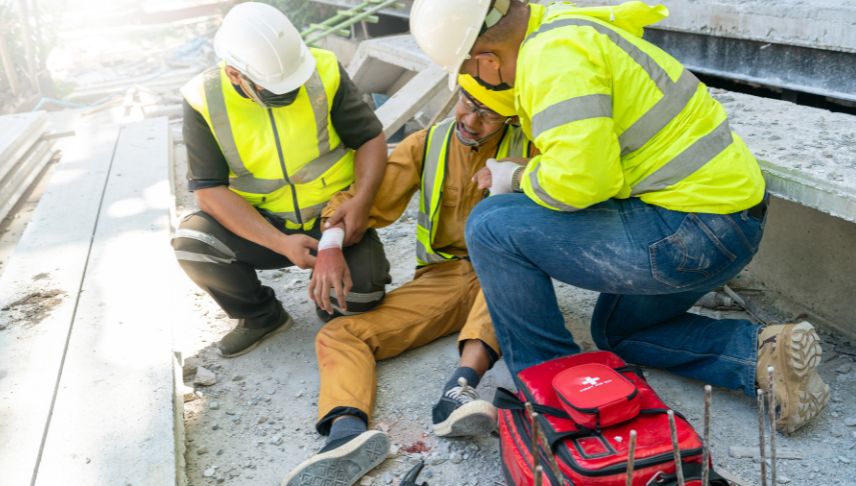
point(812, 400)
point(343, 466)
point(282, 328)
point(802, 355)
point(471, 419)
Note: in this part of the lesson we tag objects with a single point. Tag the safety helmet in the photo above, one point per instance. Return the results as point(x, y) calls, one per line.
point(446, 30)
point(501, 102)
point(259, 41)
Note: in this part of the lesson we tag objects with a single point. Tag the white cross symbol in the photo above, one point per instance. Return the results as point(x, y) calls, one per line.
point(588, 380)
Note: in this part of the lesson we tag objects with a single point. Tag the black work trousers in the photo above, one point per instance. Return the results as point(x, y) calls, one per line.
point(224, 265)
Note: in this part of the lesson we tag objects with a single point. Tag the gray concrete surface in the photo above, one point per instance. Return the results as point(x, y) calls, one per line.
point(826, 24)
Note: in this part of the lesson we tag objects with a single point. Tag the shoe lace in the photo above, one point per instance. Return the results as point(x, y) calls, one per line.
point(463, 393)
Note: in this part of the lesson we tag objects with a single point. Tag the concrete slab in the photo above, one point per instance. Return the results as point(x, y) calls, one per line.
point(39, 290)
point(823, 24)
point(808, 155)
point(113, 420)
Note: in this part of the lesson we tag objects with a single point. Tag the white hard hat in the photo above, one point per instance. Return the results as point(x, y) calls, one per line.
point(447, 29)
point(260, 41)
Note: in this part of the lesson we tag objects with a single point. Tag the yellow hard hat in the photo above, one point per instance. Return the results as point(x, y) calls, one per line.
point(501, 102)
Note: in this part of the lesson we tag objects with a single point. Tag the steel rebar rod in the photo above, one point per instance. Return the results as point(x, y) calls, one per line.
point(679, 468)
point(771, 410)
point(631, 458)
point(705, 457)
point(762, 446)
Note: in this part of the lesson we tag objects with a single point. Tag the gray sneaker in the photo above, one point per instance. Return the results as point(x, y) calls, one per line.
point(343, 464)
point(242, 340)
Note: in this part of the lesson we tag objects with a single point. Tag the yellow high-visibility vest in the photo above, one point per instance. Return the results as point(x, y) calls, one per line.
point(513, 144)
point(615, 117)
point(288, 160)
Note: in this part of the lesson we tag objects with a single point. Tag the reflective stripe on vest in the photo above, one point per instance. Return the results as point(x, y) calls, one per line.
point(513, 144)
point(244, 180)
point(676, 96)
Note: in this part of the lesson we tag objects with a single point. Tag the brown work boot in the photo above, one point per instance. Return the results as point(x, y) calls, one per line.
point(793, 350)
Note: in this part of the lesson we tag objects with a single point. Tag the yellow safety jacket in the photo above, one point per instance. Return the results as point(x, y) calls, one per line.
point(615, 117)
point(289, 161)
point(434, 162)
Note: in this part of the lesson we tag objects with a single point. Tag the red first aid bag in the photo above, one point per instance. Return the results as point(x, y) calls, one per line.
point(587, 405)
point(595, 395)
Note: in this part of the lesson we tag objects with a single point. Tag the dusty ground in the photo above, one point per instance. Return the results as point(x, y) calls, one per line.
point(257, 421)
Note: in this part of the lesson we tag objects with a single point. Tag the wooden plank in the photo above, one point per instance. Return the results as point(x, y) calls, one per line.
point(18, 134)
point(113, 421)
point(50, 259)
point(18, 181)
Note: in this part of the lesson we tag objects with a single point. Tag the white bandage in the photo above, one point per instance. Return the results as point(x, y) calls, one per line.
point(331, 238)
point(501, 175)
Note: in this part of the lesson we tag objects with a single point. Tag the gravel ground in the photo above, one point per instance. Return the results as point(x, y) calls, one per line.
point(256, 422)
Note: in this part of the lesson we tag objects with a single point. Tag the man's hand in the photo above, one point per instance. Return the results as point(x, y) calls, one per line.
point(296, 248)
point(497, 176)
point(331, 270)
point(354, 215)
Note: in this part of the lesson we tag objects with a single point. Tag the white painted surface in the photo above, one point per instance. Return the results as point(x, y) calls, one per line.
point(113, 421)
point(51, 255)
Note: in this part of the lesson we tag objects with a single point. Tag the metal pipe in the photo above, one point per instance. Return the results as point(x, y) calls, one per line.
point(631, 458)
point(761, 444)
point(705, 456)
point(679, 468)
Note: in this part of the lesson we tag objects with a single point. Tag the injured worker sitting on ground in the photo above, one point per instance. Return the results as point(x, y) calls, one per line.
point(444, 296)
point(273, 133)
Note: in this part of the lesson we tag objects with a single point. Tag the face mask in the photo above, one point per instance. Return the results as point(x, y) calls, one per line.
point(264, 97)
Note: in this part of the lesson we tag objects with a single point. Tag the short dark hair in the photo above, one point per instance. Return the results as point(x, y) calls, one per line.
point(500, 31)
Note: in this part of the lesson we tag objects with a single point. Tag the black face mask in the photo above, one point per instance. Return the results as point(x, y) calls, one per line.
point(502, 86)
point(268, 99)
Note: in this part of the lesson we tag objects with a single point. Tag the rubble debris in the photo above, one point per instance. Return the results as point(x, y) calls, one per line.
point(204, 377)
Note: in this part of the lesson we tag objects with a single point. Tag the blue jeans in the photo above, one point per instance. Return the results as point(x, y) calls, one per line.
point(650, 265)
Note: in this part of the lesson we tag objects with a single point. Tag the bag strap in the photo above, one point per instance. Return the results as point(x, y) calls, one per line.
point(692, 471)
point(508, 400)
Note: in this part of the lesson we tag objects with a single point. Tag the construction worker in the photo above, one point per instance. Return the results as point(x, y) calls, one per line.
point(272, 134)
point(641, 192)
point(443, 297)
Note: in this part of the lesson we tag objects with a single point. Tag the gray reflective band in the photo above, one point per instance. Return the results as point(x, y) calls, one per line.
point(358, 297)
point(518, 146)
point(320, 108)
point(220, 122)
point(675, 94)
point(688, 161)
point(664, 111)
point(430, 166)
point(201, 258)
point(423, 220)
point(306, 214)
point(423, 256)
point(206, 238)
point(314, 169)
point(544, 196)
point(572, 110)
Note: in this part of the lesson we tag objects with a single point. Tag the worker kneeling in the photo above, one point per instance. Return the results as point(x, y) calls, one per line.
point(272, 134)
point(443, 297)
point(641, 192)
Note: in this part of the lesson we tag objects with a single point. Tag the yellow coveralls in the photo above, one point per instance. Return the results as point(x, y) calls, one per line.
point(441, 299)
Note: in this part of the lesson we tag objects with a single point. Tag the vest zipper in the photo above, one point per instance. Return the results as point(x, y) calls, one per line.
point(284, 170)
